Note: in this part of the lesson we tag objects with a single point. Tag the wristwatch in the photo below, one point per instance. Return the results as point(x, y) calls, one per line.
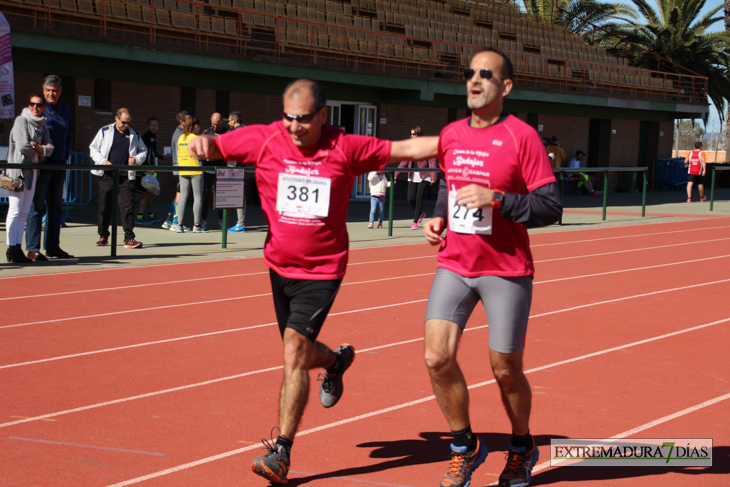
point(497, 198)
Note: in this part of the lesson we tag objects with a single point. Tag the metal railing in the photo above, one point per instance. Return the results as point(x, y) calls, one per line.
point(605, 170)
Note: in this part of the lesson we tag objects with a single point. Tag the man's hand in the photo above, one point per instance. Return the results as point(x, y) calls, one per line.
point(432, 230)
point(132, 161)
point(203, 147)
point(106, 163)
point(474, 196)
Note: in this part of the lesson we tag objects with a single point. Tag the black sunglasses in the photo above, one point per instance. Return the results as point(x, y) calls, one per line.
point(124, 123)
point(300, 118)
point(31, 104)
point(486, 74)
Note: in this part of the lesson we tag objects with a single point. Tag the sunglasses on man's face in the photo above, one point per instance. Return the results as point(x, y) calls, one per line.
point(39, 105)
point(125, 123)
point(486, 74)
point(300, 118)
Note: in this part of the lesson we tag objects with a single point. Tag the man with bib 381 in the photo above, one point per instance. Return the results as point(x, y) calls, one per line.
point(305, 171)
point(498, 182)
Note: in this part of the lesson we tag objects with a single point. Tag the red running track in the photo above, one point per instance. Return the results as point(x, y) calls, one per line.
point(101, 387)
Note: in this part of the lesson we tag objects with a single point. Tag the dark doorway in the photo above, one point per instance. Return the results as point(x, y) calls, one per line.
point(347, 118)
point(594, 143)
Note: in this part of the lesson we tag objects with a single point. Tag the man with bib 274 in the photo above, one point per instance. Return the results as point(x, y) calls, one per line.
point(305, 170)
point(498, 182)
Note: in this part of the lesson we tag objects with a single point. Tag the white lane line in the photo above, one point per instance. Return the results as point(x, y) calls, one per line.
point(633, 250)
point(625, 236)
point(395, 408)
point(112, 313)
point(650, 424)
point(405, 303)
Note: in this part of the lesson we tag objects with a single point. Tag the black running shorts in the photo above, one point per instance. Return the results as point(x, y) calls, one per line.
point(302, 304)
point(697, 179)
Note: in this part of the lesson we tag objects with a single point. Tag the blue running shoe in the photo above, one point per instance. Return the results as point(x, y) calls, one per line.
point(237, 228)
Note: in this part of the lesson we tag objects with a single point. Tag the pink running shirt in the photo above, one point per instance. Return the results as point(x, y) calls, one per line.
point(303, 245)
point(507, 156)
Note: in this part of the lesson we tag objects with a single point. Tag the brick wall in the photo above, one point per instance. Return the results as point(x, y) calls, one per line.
point(665, 147)
point(256, 108)
point(573, 132)
point(401, 118)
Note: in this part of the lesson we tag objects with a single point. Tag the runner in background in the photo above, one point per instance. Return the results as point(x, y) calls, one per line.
point(697, 167)
point(305, 171)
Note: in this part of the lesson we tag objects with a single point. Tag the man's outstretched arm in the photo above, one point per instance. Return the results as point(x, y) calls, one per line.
point(203, 146)
point(416, 149)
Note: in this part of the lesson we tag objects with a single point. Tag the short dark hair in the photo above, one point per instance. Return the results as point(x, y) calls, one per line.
point(36, 95)
point(182, 115)
point(52, 80)
point(122, 111)
point(152, 118)
point(545, 141)
point(236, 116)
point(699, 144)
point(554, 140)
point(316, 89)
point(417, 130)
point(579, 153)
point(508, 71)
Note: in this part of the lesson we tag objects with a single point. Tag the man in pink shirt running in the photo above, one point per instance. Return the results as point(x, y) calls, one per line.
point(305, 170)
point(498, 182)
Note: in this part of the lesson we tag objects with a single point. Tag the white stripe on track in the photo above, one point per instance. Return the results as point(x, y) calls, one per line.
point(650, 424)
point(396, 407)
point(170, 340)
point(111, 313)
point(625, 236)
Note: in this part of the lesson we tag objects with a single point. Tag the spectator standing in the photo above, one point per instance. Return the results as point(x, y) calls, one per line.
point(307, 244)
point(235, 122)
point(190, 179)
point(117, 144)
point(29, 143)
point(697, 167)
point(171, 223)
point(555, 148)
point(49, 186)
point(378, 183)
point(153, 155)
point(486, 256)
point(217, 127)
point(418, 182)
point(581, 177)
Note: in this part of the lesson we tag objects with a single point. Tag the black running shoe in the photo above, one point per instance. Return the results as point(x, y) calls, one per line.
point(330, 388)
point(518, 471)
point(274, 465)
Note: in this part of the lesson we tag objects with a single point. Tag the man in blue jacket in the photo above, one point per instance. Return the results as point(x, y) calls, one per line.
point(49, 188)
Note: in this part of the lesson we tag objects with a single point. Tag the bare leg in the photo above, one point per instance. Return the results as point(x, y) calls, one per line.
point(300, 355)
point(516, 393)
point(441, 344)
point(689, 190)
point(701, 187)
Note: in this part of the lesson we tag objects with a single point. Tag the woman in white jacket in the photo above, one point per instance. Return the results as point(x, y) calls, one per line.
point(29, 143)
point(378, 182)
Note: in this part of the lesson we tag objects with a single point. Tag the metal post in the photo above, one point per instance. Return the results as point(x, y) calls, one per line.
point(115, 196)
point(643, 195)
point(712, 189)
point(605, 192)
point(224, 230)
point(390, 204)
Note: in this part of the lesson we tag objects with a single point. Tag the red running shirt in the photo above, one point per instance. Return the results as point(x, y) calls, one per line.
point(695, 162)
point(507, 156)
point(304, 245)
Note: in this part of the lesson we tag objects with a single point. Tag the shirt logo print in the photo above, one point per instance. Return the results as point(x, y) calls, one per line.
point(496, 142)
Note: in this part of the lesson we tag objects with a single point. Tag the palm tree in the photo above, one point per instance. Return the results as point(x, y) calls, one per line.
point(577, 16)
point(673, 36)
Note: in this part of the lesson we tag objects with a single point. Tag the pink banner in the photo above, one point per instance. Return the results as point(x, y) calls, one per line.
point(7, 84)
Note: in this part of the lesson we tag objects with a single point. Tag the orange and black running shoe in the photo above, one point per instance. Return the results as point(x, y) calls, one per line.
point(463, 463)
point(274, 465)
point(518, 471)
